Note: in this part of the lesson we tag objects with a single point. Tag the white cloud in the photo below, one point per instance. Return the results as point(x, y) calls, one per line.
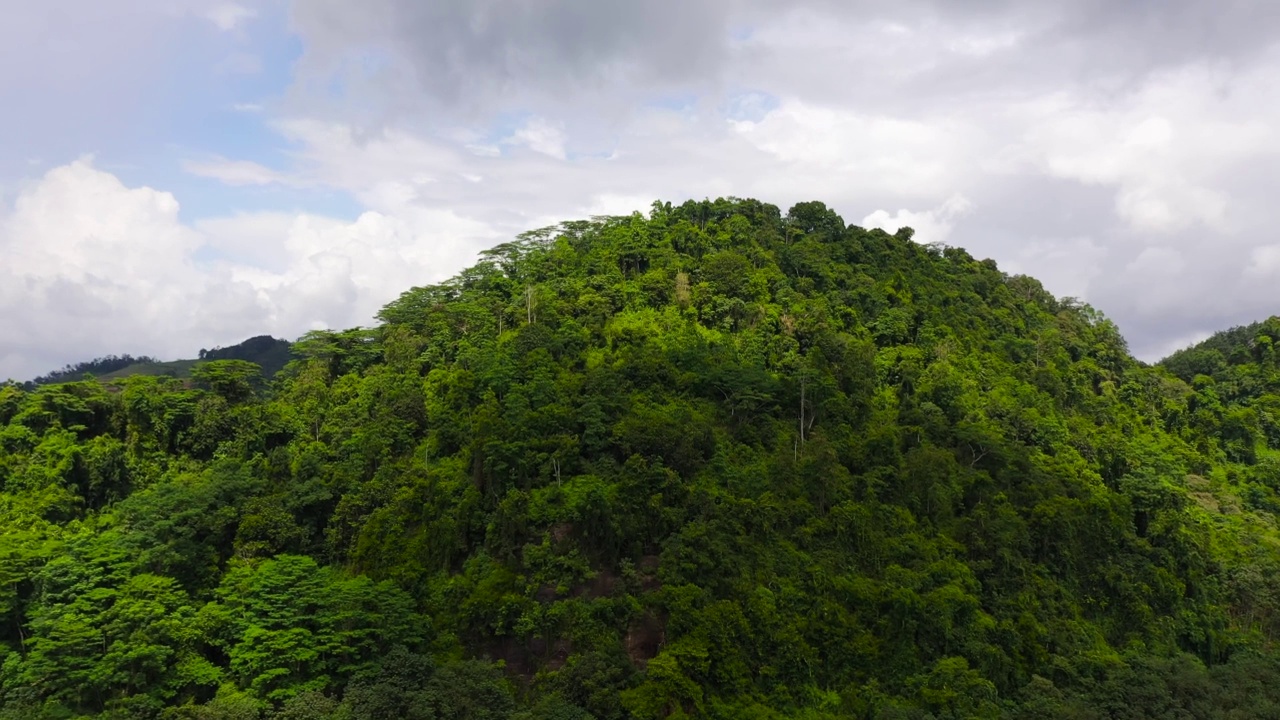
point(229, 16)
point(95, 267)
point(89, 261)
point(930, 226)
point(1170, 205)
point(1169, 149)
point(368, 164)
point(910, 158)
point(542, 136)
point(236, 172)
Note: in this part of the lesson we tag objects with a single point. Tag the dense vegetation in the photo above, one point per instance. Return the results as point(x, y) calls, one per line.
point(720, 462)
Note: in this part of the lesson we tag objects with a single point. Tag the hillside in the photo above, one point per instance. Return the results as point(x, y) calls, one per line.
point(271, 354)
point(1236, 378)
point(97, 367)
point(720, 462)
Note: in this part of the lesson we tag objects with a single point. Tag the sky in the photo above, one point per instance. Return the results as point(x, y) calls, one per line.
point(184, 174)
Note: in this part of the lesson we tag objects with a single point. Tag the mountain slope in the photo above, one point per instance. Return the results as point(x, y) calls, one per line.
point(271, 354)
point(719, 462)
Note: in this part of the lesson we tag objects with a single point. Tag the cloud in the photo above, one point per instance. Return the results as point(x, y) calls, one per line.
point(86, 258)
point(906, 156)
point(236, 172)
point(469, 54)
point(229, 16)
point(541, 136)
point(1169, 148)
point(1122, 152)
point(96, 267)
point(457, 56)
point(930, 226)
point(1264, 261)
point(1066, 267)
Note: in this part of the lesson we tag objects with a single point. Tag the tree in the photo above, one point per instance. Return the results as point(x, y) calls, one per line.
point(232, 380)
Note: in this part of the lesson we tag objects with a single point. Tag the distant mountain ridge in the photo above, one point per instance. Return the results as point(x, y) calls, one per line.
point(268, 352)
point(96, 367)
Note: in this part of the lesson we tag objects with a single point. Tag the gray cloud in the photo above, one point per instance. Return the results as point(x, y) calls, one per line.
point(466, 58)
point(494, 54)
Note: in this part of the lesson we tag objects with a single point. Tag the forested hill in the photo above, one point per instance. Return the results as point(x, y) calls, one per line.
point(268, 353)
point(718, 463)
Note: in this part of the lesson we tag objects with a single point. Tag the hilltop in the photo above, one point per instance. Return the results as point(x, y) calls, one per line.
point(719, 462)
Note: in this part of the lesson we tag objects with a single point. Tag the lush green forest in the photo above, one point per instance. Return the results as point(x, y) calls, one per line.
point(720, 462)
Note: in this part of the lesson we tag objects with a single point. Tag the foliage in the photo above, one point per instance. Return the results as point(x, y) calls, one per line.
point(716, 462)
point(271, 354)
